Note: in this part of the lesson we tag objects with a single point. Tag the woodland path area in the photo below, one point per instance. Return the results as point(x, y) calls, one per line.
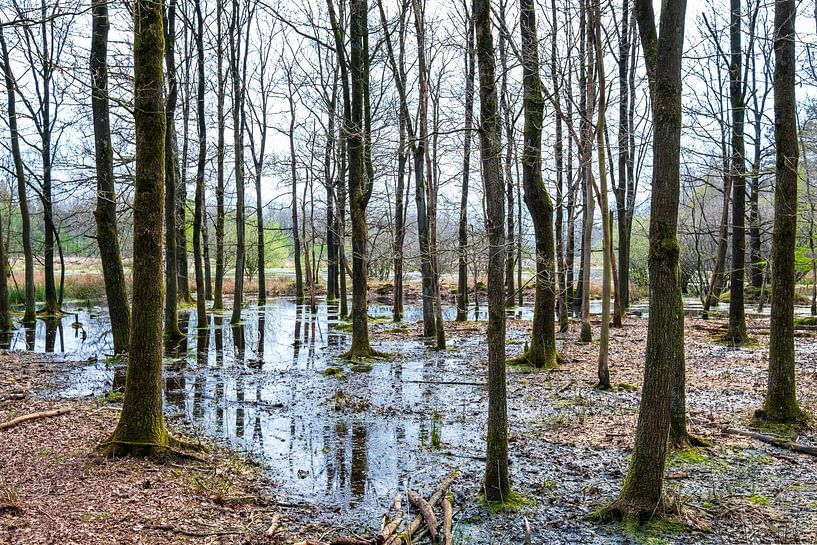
point(569, 451)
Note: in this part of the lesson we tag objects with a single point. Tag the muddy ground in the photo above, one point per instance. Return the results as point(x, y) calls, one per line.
point(569, 446)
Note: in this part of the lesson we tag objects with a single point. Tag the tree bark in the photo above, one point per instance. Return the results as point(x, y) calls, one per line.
point(781, 394)
point(238, 147)
point(542, 348)
point(105, 212)
point(171, 316)
point(641, 494)
point(462, 231)
point(218, 290)
point(141, 428)
point(497, 484)
point(198, 214)
point(30, 315)
point(737, 318)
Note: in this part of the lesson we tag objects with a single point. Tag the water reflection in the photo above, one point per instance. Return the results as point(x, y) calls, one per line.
point(260, 386)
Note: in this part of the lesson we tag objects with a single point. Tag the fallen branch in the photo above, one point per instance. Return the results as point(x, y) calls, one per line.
point(448, 515)
point(768, 439)
point(392, 526)
point(435, 498)
point(426, 511)
point(772, 440)
point(34, 416)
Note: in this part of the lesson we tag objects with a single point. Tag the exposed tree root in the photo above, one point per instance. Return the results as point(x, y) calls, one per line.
point(536, 359)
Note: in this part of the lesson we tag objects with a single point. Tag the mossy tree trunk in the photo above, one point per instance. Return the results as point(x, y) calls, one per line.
point(198, 214)
point(781, 394)
point(354, 86)
point(641, 494)
point(172, 330)
point(105, 212)
point(737, 170)
point(141, 428)
point(497, 484)
point(30, 315)
point(542, 348)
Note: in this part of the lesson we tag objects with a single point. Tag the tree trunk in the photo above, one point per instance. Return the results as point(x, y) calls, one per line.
point(141, 428)
point(30, 316)
point(52, 306)
point(542, 348)
point(505, 108)
point(622, 190)
point(641, 494)
point(586, 159)
point(238, 147)
point(737, 318)
point(558, 151)
point(716, 285)
point(462, 232)
point(781, 394)
point(198, 215)
point(218, 293)
point(105, 213)
point(171, 316)
point(296, 240)
point(497, 484)
point(607, 243)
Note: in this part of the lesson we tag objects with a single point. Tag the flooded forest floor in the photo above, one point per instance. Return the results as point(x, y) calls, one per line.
point(327, 444)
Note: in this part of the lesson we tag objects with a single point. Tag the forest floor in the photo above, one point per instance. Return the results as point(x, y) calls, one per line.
point(569, 445)
point(55, 489)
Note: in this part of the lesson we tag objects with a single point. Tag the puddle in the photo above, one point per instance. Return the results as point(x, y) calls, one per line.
point(347, 442)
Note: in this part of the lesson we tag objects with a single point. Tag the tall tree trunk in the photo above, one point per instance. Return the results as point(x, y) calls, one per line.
point(737, 170)
point(52, 306)
point(781, 394)
point(570, 244)
point(505, 108)
point(198, 214)
point(182, 273)
point(622, 189)
point(558, 151)
point(238, 152)
point(30, 316)
point(105, 213)
point(586, 167)
point(497, 483)
point(218, 293)
point(462, 231)
point(607, 243)
point(171, 316)
point(641, 494)
point(542, 348)
point(141, 428)
point(329, 182)
point(400, 206)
